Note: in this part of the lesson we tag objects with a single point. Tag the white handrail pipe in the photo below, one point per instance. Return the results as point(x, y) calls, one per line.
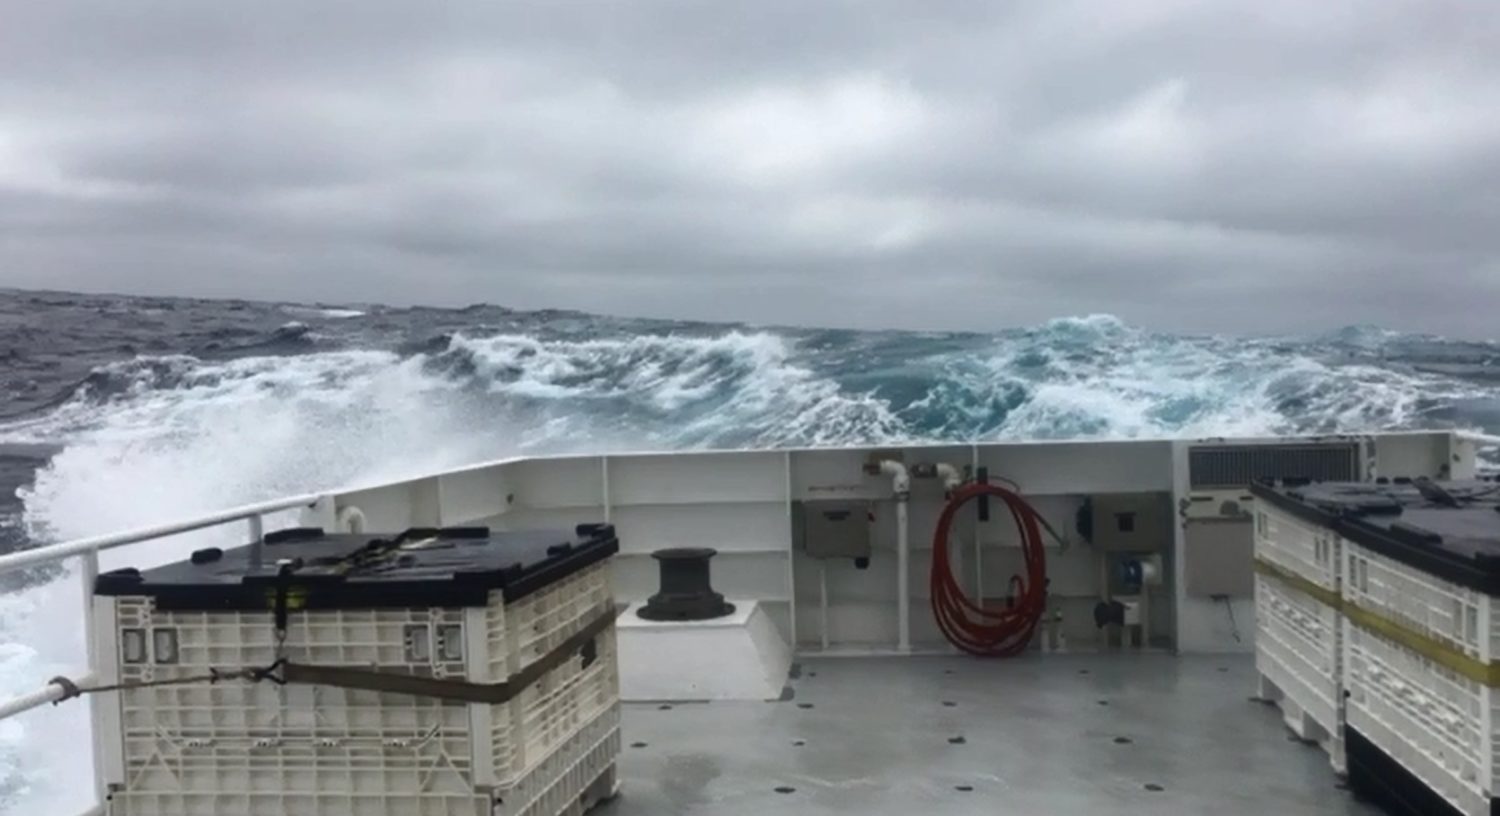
point(68, 549)
point(1481, 438)
point(50, 693)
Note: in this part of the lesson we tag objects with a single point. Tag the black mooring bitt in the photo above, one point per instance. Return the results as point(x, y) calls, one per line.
point(685, 593)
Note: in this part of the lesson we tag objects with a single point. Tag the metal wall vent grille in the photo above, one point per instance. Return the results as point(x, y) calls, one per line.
point(1239, 465)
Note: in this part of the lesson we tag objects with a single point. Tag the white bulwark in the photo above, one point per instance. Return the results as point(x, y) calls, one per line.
point(1164, 529)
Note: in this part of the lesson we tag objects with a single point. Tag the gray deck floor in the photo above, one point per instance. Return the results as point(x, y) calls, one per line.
point(1040, 735)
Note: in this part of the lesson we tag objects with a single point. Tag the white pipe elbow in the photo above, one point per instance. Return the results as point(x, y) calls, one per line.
point(950, 476)
point(900, 478)
point(351, 519)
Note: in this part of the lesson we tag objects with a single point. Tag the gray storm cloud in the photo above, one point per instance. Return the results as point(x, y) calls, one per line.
point(1198, 166)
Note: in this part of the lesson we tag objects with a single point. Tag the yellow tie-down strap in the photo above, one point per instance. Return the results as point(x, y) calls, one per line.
point(1438, 651)
point(1321, 594)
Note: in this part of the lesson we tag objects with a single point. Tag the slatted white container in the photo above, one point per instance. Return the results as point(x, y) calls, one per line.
point(1420, 640)
point(573, 778)
point(1298, 649)
point(1455, 615)
point(1297, 641)
point(236, 748)
point(1297, 545)
point(528, 728)
point(1438, 724)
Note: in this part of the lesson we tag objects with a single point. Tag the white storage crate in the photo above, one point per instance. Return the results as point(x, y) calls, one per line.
point(1438, 724)
point(1298, 649)
point(1297, 639)
point(531, 726)
point(258, 749)
point(1418, 598)
point(1432, 606)
point(579, 774)
point(1298, 546)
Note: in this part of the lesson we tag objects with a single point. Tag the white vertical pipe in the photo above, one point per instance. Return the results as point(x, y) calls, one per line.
point(823, 600)
point(901, 486)
point(903, 577)
point(88, 571)
point(608, 506)
point(257, 541)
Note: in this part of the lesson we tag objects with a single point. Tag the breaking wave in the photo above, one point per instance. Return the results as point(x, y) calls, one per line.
point(196, 433)
point(151, 438)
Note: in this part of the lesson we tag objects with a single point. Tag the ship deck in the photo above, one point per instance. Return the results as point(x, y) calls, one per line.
point(1059, 734)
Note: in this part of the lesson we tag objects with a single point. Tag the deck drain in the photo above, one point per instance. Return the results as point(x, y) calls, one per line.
point(963, 788)
point(798, 743)
point(947, 671)
point(663, 708)
point(1123, 740)
point(786, 789)
point(1154, 788)
point(1223, 669)
point(804, 705)
point(1083, 671)
point(1104, 702)
point(959, 740)
point(637, 745)
point(812, 674)
point(949, 704)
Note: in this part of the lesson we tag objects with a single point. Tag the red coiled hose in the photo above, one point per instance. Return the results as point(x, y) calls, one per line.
point(968, 625)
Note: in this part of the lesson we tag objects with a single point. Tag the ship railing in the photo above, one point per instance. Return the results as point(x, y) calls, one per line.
point(87, 551)
point(1482, 439)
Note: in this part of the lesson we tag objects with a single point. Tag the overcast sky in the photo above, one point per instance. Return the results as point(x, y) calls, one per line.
point(1254, 166)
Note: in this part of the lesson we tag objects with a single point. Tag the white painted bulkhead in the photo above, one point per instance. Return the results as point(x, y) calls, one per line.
point(742, 502)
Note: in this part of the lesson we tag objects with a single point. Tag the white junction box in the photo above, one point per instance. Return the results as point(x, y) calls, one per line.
point(438, 672)
point(1421, 639)
point(1298, 632)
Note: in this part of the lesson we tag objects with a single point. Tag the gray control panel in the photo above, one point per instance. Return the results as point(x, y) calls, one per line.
point(833, 528)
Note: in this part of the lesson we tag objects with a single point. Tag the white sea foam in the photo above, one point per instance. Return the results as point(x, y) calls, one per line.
point(153, 439)
point(320, 311)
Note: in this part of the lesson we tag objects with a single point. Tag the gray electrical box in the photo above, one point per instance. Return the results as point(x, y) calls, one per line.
point(833, 528)
point(1219, 557)
point(1138, 522)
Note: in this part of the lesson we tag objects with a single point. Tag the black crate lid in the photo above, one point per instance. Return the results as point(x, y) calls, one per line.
point(454, 566)
point(1448, 529)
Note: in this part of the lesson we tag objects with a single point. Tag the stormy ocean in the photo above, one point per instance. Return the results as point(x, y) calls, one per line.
point(121, 411)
